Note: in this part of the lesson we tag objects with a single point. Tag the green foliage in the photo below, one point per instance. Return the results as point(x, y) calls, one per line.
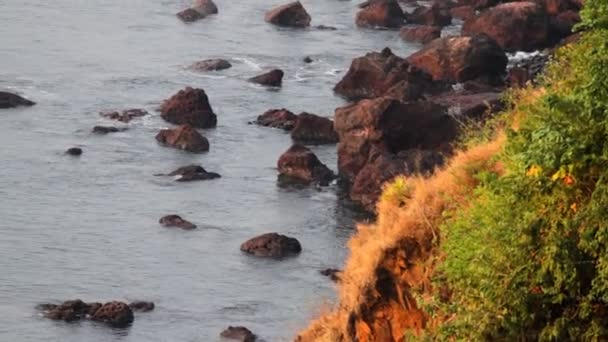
point(528, 258)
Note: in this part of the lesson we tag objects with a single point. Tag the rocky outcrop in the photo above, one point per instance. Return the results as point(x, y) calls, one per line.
point(193, 173)
point(381, 13)
point(277, 118)
point(107, 129)
point(298, 164)
point(458, 59)
point(10, 100)
point(141, 306)
point(382, 73)
point(74, 151)
point(420, 34)
point(431, 16)
point(185, 138)
point(240, 334)
point(272, 245)
point(115, 314)
point(189, 106)
point(273, 78)
point(215, 64)
point(176, 221)
point(515, 26)
point(289, 15)
point(125, 115)
point(314, 129)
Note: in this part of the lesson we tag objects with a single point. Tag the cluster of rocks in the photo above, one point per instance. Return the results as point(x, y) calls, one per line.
point(116, 314)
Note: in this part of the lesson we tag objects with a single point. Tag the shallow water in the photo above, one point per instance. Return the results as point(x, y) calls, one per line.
point(88, 227)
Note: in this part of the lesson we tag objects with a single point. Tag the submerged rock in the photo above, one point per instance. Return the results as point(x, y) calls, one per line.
point(125, 115)
point(69, 311)
point(107, 129)
point(115, 314)
point(176, 221)
point(300, 165)
point(193, 173)
point(240, 334)
point(141, 306)
point(74, 151)
point(214, 64)
point(380, 13)
point(10, 100)
point(272, 245)
point(273, 78)
point(189, 106)
point(289, 15)
point(277, 118)
point(185, 138)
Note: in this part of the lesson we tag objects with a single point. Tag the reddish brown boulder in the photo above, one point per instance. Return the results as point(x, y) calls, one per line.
point(381, 13)
point(10, 100)
point(240, 334)
point(431, 16)
point(176, 221)
point(204, 7)
point(125, 115)
point(314, 129)
point(290, 15)
point(515, 26)
point(214, 64)
point(272, 245)
point(380, 73)
point(116, 314)
point(277, 118)
point(420, 34)
point(298, 164)
point(192, 173)
point(141, 306)
point(185, 138)
point(388, 125)
point(463, 12)
point(458, 59)
point(189, 106)
point(273, 78)
point(189, 15)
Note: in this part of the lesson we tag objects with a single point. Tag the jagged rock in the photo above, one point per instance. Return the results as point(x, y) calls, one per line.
point(107, 129)
point(290, 15)
point(515, 26)
point(420, 34)
point(277, 118)
point(185, 138)
point(176, 221)
point(125, 115)
point(314, 129)
point(189, 106)
point(240, 334)
point(299, 164)
point(74, 151)
point(272, 245)
point(458, 59)
point(431, 16)
point(273, 78)
point(380, 13)
point(116, 314)
point(380, 73)
point(10, 100)
point(214, 64)
point(193, 173)
point(141, 306)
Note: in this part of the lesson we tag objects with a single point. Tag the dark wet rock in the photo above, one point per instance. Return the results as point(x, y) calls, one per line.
point(273, 78)
point(185, 138)
point(189, 15)
point(240, 334)
point(204, 7)
point(74, 151)
point(189, 106)
point(526, 70)
point(299, 165)
point(116, 314)
point(10, 100)
point(314, 129)
point(471, 105)
point(214, 64)
point(515, 26)
point(289, 15)
point(332, 273)
point(390, 126)
point(325, 28)
point(107, 129)
point(272, 245)
point(69, 311)
point(277, 118)
point(125, 115)
point(420, 34)
point(561, 25)
point(431, 16)
point(193, 173)
point(176, 221)
point(307, 60)
point(381, 73)
point(141, 306)
point(463, 12)
point(458, 59)
point(381, 13)
point(555, 7)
